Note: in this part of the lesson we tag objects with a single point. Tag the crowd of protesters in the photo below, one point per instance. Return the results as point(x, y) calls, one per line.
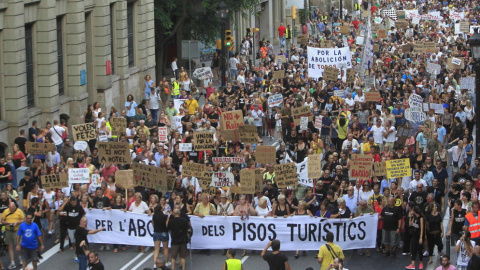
point(411, 209)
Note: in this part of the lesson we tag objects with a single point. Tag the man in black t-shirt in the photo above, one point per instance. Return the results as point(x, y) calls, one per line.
point(392, 220)
point(81, 242)
point(94, 262)
point(21, 141)
point(276, 260)
point(418, 197)
point(33, 132)
point(73, 212)
point(100, 201)
point(26, 185)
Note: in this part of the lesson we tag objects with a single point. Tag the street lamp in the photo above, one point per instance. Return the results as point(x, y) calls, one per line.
point(474, 42)
point(223, 12)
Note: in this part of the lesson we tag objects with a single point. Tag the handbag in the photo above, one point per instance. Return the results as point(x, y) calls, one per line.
point(166, 90)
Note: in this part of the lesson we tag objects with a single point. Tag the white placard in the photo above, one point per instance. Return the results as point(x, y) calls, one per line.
point(162, 134)
point(204, 73)
point(303, 123)
point(177, 103)
point(275, 100)
point(185, 147)
point(137, 229)
point(318, 122)
point(80, 145)
point(415, 114)
point(415, 100)
point(318, 58)
point(78, 176)
point(222, 179)
point(456, 61)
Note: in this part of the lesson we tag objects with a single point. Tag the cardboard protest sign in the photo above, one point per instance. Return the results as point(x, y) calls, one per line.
point(171, 178)
point(247, 181)
point(330, 73)
point(114, 152)
point(54, 181)
point(430, 47)
point(286, 175)
point(203, 141)
point(163, 134)
point(372, 96)
point(275, 100)
point(150, 176)
point(231, 120)
point(265, 154)
point(380, 168)
point(192, 169)
point(398, 168)
point(118, 125)
point(247, 134)
point(222, 179)
point(84, 132)
point(361, 166)
point(464, 27)
point(376, 48)
point(124, 178)
point(382, 33)
point(34, 148)
point(204, 179)
point(401, 24)
point(455, 63)
point(279, 74)
point(298, 112)
point(258, 179)
point(78, 176)
point(419, 47)
point(350, 75)
point(230, 160)
point(302, 39)
point(344, 30)
point(318, 122)
point(314, 165)
point(428, 129)
point(407, 48)
point(185, 147)
point(401, 15)
point(230, 135)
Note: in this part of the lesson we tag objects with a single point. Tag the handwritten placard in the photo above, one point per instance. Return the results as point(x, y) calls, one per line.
point(35, 148)
point(118, 125)
point(248, 134)
point(192, 169)
point(78, 176)
point(203, 141)
point(84, 132)
point(279, 74)
point(380, 168)
point(361, 166)
point(286, 175)
point(125, 178)
point(231, 120)
point(350, 75)
point(372, 96)
point(398, 168)
point(114, 152)
point(247, 181)
point(298, 112)
point(265, 154)
point(54, 181)
point(222, 179)
point(314, 166)
point(330, 73)
point(163, 134)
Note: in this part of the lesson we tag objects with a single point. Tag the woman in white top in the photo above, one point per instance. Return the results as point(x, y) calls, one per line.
point(49, 195)
point(104, 132)
point(186, 83)
point(140, 207)
point(262, 210)
point(100, 119)
point(470, 112)
point(241, 77)
point(96, 109)
point(366, 192)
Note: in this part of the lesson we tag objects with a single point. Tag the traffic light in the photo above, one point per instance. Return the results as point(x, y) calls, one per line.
point(228, 37)
point(249, 32)
point(294, 12)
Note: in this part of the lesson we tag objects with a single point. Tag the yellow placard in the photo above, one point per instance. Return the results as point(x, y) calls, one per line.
point(398, 168)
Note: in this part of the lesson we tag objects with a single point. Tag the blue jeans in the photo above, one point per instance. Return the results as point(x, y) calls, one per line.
point(58, 147)
point(82, 261)
point(282, 41)
point(154, 113)
point(147, 95)
point(233, 73)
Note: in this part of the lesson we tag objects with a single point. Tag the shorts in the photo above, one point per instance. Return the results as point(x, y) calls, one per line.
point(71, 235)
point(29, 254)
point(179, 249)
point(44, 223)
point(10, 237)
point(389, 238)
point(278, 128)
point(160, 236)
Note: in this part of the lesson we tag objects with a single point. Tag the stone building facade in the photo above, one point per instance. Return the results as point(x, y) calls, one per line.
point(58, 56)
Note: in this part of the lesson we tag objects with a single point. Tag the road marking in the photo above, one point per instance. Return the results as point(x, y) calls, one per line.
point(244, 259)
point(143, 261)
point(125, 267)
point(47, 254)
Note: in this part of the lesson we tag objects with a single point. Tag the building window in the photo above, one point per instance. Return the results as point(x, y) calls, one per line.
point(29, 64)
point(112, 38)
point(130, 29)
point(61, 74)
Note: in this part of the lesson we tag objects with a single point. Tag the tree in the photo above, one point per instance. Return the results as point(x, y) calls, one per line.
point(196, 19)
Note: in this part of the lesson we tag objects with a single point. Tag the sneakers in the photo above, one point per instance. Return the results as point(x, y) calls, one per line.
point(102, 248)
point(12, 265)
point(168, 264)
point(425, 254)
point(421, 266)
point(411, 266)
point(76, 260)
point(108, 248)
point(404, 254)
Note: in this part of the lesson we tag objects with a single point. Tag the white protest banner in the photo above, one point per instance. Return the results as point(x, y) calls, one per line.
point(318, 58)
point(163, 134)
point(275, 100)
point(204, 73)
point(222, 179)
point(456, 61)
point(177, 123)
point(177, 103)
point(78, 176)
point(437, 107)
point(235, 160)
point(252, 233)
point(318, 122)
point(467, 83)
point(415, 100)
point(457, 16)
point(185, 147)
point(410, 14)
point(415, 114)
point(303, 123)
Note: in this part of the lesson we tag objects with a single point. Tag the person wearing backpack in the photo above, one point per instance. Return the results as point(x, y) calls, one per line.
point(329, 252)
